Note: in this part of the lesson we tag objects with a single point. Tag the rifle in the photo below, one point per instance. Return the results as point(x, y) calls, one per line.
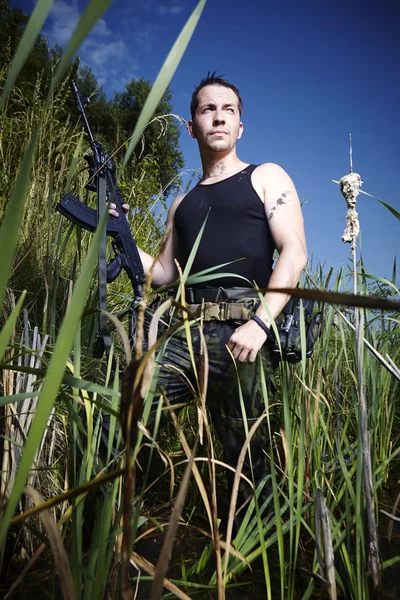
point(103, 181)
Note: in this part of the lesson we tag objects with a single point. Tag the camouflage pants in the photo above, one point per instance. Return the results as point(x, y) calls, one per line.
point(228, 380)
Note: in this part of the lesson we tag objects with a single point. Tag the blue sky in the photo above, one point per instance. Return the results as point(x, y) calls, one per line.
point(309, 73)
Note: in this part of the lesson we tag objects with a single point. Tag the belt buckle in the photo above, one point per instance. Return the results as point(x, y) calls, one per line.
point(211, 311)
point(223, 311)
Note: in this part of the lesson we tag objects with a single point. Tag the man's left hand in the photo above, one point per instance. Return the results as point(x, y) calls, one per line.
point(112, 209)
point(246, 341)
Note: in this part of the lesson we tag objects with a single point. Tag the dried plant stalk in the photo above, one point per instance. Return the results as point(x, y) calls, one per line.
point(350, 187)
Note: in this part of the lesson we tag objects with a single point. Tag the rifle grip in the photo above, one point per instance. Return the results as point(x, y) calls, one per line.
point(114, 268)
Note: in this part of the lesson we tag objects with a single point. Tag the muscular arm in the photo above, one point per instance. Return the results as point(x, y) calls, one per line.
point(164, 271)
point(283, 211)
point(285, 219)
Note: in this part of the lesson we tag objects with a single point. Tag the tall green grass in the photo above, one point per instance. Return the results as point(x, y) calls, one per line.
point(93, 508)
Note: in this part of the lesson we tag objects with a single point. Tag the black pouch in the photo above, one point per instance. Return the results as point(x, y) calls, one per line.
point(288, 325)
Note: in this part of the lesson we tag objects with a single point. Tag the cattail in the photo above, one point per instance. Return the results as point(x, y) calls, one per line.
point(350, 187)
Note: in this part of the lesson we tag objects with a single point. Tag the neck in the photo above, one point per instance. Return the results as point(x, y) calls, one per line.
point(218, 166)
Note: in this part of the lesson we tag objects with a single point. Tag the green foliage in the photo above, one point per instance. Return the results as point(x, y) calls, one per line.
point(39, 142)
point(315, 456)
point(161, 136)
point(44, 253)
point(40, 58)
point(46, 250)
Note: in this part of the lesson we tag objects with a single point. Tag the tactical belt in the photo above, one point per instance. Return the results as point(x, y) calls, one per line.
point(197, 295)
point(237, 304)
point(222, 311)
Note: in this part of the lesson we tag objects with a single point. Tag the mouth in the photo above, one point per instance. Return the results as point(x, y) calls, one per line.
point(219, 133)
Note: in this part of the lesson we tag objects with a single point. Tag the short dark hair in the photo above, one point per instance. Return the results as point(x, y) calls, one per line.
point(213, 79)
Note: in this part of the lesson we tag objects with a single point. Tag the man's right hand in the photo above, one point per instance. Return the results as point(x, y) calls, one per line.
point(246, 341)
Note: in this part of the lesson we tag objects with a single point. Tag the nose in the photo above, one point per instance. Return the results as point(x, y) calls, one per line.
point(219, 117)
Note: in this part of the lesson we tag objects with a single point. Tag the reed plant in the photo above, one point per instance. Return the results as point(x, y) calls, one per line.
point(91, 479)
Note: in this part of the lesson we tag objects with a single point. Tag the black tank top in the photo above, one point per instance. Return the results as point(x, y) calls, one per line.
point(236, 229)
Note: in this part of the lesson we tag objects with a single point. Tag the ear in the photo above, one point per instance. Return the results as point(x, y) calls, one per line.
point(241, 129)
point(191, 129)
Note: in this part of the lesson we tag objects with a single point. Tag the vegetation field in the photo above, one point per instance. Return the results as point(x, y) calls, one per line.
point(106, 490)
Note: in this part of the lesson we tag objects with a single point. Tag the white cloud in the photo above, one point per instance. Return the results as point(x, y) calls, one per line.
point(64, 17)
point(105, 53)
point(101, 29)
point(167, 7)
point(99, 55)
point(112, 55)
point(163, 9)
point(111, 62)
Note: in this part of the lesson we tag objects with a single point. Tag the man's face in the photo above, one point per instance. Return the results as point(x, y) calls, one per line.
point(216, 124)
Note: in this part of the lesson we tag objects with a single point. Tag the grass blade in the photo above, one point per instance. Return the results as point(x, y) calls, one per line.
point(54, 376)
point(56, 543)
point(385, 204)
point(7, 330)
point(339, 298)
point(164, 559)
point(388, 206)
point(12, 220)
point(163, 78)
point(92, 14)
point(394, 272)
point(29, 36)
point(381, 280)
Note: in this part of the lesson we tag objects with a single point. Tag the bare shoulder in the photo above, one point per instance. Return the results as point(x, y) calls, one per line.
point(278, 192)
point(274, 186)
point(269, 168)
point(174, 205)
point(271, 175)
point(176, 202)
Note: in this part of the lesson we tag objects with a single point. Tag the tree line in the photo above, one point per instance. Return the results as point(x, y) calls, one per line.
point(58, 165)
point(112, 119)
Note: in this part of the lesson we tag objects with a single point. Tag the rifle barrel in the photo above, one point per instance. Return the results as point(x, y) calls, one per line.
point(96, 146)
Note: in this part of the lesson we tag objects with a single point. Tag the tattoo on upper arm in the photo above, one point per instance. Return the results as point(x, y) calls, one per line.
point(281, 200)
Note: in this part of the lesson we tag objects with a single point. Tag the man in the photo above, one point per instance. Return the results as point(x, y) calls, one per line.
point(250, 211)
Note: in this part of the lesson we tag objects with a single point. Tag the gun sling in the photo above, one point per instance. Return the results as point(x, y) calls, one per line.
point(104, 341)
